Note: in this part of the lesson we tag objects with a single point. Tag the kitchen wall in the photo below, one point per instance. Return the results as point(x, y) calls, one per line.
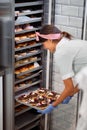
point(68, 16)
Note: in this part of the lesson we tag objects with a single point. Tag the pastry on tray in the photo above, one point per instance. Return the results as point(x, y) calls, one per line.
point(38, 99)
point(24, 98)
point(42, 104)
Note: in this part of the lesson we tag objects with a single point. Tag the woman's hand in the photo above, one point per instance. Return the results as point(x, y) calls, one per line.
point(48, 109)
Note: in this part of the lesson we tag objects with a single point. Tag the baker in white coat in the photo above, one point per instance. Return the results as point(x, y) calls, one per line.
point(70, 56)
point(81, 79)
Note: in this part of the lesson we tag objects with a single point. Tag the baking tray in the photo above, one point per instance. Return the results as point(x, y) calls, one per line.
point(23, 100)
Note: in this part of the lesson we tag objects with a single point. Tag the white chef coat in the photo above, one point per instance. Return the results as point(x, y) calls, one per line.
point(70, 56)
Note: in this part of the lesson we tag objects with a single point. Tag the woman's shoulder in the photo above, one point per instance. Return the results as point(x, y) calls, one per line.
point(78, 41)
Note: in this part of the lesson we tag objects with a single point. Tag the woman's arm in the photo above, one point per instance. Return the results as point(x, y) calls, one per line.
point(68, 91)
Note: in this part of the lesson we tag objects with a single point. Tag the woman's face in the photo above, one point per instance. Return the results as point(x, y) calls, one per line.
point(47, 44)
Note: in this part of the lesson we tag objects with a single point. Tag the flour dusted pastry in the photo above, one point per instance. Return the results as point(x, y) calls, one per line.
point(33, 101)
point(42, 104)
point(42, 91)
point(33, 94)
point(52, 96)
point(39, 98)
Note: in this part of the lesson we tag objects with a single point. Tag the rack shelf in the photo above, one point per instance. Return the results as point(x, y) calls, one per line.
point(32, 70)
point(32, 20)
point(28, 47)
point(31, 12)
point(26, 119)
point(28, 4)
point(39, 59)
point(27, 86)
point(31, 78)
point(27, 78)
point(23, 109)
point(26, 31)
point(28, 55)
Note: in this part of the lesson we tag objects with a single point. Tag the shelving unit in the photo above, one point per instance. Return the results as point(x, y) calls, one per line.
point(28, 71)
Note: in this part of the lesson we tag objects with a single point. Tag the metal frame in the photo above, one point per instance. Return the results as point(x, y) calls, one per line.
point(6, 59)
point(51, 19)
point(84, 26)
point(1, 104)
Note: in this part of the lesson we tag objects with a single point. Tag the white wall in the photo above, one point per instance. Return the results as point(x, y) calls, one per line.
point(68, 16)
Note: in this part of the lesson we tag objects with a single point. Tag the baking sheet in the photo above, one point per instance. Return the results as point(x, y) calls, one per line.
point(34, 106)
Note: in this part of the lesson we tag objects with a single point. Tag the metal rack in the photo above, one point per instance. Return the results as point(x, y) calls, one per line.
point(27, 118)
point(17, 116)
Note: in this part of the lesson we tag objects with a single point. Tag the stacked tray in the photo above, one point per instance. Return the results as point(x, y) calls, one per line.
point(38, 99)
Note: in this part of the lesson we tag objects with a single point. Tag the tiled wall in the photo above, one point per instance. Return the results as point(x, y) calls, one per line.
point(68, 16)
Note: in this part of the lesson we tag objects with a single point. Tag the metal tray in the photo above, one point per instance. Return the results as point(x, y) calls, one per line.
point(29, 104)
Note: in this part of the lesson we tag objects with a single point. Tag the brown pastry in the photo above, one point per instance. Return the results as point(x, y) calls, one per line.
point(23, 54)
point(33, 94)
point(18, 109)
point(17, 29)
point(22, 84)
point(23, 69)
point(33, 101)
point(25, 61)
point(31, 35)
point(17, 71)
point(23, 98)
point(21, 77)
point(23, 37)
point(51, 94)
point(16, 87)
point(17, 38)
point(42, 105)
point(42, 91)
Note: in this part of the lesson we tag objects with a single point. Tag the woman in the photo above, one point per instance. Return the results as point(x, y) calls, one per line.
point(70, 55)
